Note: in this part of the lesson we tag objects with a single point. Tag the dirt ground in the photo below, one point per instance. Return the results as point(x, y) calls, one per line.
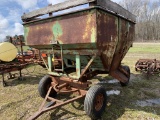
point(140, 100)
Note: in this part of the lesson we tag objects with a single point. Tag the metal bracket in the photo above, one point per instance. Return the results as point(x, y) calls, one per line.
point(88, 65)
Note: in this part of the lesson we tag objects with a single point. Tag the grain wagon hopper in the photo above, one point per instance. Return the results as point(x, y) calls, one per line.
point(87, 42)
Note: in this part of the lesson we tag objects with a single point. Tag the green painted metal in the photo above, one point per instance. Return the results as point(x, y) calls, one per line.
point(93, 35)
point(89, 46)
point(50, 63)
point(26, 31)
point(57, 31)
point(78, 65)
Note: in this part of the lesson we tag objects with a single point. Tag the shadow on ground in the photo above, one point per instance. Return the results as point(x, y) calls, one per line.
point(124, 105)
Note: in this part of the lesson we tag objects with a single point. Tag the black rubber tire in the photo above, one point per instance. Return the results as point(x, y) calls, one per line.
point(90, 102)
point(126, 68)
point(44, 85)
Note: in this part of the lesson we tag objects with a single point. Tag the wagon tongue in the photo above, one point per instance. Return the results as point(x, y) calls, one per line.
point(49, 104)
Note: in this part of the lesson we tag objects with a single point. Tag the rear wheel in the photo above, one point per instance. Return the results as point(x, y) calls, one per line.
point(127, 69)
point(95, 102)
point(44, 86)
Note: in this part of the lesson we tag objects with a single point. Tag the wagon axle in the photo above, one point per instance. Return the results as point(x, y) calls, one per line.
point(96, 95)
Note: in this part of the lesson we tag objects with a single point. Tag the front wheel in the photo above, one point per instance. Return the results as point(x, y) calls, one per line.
point(95, 102)
point(44, 86)
point(127, 69)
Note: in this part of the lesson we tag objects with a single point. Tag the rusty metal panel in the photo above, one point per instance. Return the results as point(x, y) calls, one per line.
point(92, 29)
point(69, 29)
point(107, 36)
point(126, 38)
point(117, 9)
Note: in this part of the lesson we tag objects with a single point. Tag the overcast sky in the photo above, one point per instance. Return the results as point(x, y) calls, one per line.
point(12, 10)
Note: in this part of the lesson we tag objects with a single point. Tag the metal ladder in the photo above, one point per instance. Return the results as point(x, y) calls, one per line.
point(61, 58)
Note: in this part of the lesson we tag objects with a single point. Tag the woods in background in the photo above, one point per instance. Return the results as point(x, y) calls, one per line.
point(148, 18)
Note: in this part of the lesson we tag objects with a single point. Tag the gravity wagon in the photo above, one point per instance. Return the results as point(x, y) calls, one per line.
point(79, 44)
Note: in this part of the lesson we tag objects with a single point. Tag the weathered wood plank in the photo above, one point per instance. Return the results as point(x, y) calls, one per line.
point(107, 4)
point(55, 8)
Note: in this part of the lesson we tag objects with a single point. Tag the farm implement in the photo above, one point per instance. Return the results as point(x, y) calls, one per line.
point(79, 45)
point(10, 63)
point(149, 66)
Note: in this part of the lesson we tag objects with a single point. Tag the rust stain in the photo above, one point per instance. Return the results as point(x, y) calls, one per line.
point(68, 29)
point(87, 28)
point(39, 34)
point(107, 37)
point(125, 41)
point(78, 28)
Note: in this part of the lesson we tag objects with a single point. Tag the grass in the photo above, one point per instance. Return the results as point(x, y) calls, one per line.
point(20, 99)
point(145, 48)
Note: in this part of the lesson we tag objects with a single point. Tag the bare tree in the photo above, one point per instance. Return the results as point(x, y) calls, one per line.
point(148, 18)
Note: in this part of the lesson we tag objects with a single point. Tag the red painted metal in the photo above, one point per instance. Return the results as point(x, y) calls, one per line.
point(21, 61)
point(69, 86)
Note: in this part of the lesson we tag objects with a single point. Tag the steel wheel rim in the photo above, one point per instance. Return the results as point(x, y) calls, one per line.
point(99, 101)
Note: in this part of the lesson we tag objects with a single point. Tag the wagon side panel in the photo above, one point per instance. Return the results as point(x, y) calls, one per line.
point(126, 38)
point(107, 36)
point(75, 28)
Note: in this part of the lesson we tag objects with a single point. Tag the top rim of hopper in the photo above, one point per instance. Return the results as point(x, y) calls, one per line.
point(105, 4)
